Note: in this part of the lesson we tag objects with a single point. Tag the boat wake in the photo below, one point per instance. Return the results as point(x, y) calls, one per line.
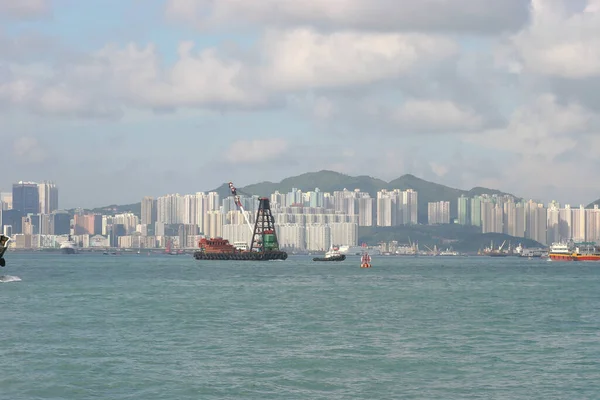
point(9, 278)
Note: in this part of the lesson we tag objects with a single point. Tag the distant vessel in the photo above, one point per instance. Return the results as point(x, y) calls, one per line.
point(332, 255)
point(532, 253)
point(490, 251)
point(170, 251)
point(68, 246)
point(354, 250)
point(365, 260)
point(242, 246)
point(449, 253)
point(264, 245)
point(497, 254)
point(220, 249)
point(3, 247)
point(584, 251)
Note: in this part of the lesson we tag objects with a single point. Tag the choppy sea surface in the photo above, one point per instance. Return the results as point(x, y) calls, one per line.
point(145, 327)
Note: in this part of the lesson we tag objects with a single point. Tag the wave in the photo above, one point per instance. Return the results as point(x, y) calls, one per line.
point(9, 278)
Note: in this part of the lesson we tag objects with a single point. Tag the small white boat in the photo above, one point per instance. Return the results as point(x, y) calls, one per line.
point(68, 246)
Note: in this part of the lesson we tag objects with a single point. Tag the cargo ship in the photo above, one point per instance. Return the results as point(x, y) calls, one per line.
point(492, 252)
point(264, 245)
point(584, 251)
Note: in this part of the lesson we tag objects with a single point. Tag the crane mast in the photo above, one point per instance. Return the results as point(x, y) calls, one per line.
point(238, 203)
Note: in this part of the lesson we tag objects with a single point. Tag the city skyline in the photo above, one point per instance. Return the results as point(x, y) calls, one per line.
point(180, 96)
point(70, 206)
point(306, 220)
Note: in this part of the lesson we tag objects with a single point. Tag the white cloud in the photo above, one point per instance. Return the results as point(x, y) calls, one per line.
point(105, 82)
point(439, 169)
point(303, 58)
point(593, 6)
point(543, 129)
point(112, 78)
point(323, 108)
point(548, 142)
point(23, 8)
point(256, 151)
point(28, 150)
point(380, 15)
point(560, 43)
point(436, 116)
point(197, 78)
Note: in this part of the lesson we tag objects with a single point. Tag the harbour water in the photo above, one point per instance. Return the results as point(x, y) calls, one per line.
point(170, 327)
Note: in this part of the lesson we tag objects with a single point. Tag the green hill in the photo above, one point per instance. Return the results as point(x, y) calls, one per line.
point(135, 208)
point(330, 181)
point(594, 203)
point(458, 237)
point(326, 181)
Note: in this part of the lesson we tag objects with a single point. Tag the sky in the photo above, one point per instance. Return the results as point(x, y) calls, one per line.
point(114, 100)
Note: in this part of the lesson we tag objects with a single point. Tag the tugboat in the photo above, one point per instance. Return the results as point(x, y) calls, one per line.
point(332, 255)
point(3, 247)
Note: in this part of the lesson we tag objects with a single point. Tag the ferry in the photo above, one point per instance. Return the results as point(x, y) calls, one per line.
point(584, 251)
point(449, 253)
point(354, 250)
point(534, 252)
point(561, 251)
point(241, 246)
point(333, 254)
point(68, 246)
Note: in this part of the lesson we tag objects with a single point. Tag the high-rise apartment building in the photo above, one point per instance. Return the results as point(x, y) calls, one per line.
point(476, 211)
point(26, 200)
point(6, 201)
point(464, 210)
point(148, 212)
point(438, 212)
point(48, 197)
point(62, 222)
point(366, 211)
point(386, 208)
point(410, 200)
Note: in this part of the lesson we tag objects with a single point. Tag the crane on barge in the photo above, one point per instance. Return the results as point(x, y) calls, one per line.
point(264, 245)
point(264, 237)
point(238, 203)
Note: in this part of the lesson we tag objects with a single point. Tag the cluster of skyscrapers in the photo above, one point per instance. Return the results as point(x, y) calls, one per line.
point(30, 207)
point(530, 219)
point(313, 220)
point(305, 221)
